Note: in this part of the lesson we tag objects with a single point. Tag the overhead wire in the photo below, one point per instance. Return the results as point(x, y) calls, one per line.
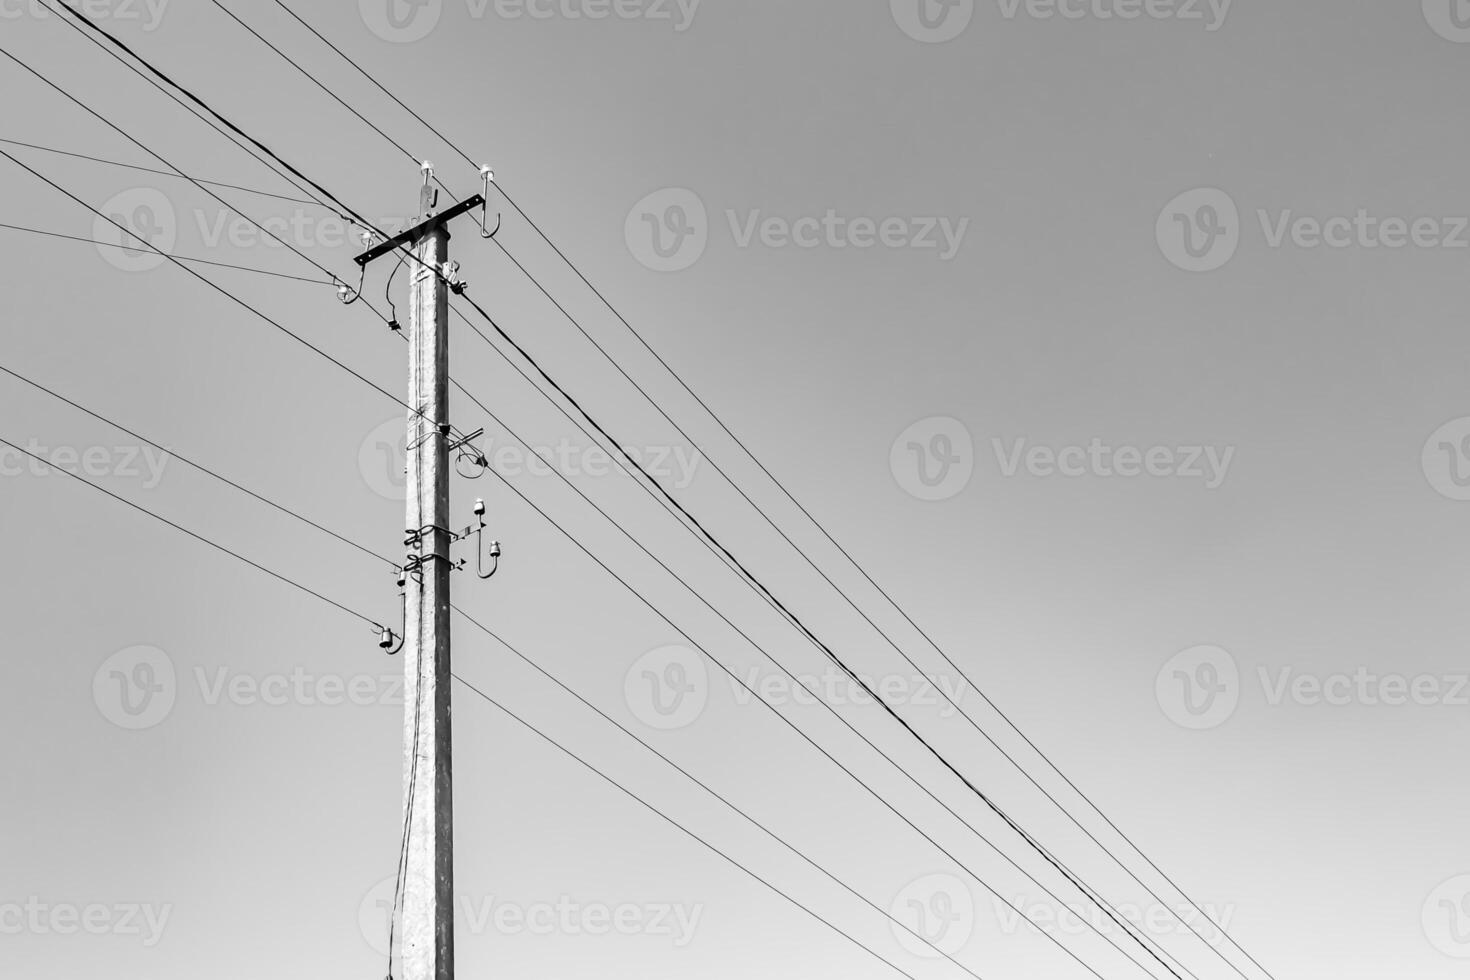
point(468, 685)
point(181, 258)
point(1105, 907)
point(830, 538)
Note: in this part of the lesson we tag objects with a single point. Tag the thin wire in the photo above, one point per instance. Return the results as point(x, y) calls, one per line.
point(737, 679)
point(209, 282)
point(253, 153)
point(173, 454)
point(1059, 866)
point(112, 39)
point(312, 78)
point(1103, 906)
point(892, 602)
point(792, 616)
point(181, 258)
point(138, 143)
point(198, 537)
point(568, 752)
point(702, 785)
point(382, 88)
point(160, 173)
point(351, 612)
point(815, 522)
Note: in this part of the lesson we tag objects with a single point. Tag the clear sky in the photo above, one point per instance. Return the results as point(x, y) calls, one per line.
point(1121, 341)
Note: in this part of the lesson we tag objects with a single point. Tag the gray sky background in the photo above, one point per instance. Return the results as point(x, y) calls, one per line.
point(1133, 264)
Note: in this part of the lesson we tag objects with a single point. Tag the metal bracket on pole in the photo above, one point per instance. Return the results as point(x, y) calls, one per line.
point(429, 223)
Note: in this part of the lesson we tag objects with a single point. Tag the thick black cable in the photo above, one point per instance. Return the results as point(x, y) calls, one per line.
point(117, 43)
point(138, 143)
point(902, 612)
point(249, 150)
point(313, 79)
point(1032, 842)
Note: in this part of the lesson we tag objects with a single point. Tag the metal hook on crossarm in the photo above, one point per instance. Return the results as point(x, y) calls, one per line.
point(390, 642)
point(346, 293)
point(488, 176)
point(480, 551)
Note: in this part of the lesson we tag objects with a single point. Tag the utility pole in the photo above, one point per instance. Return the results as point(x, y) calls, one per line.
point(428, 882)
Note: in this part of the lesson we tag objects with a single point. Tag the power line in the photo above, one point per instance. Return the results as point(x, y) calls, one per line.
point(209, 282)
point(357, 615)
point(150, 170)
point(174, 454)
point(122, 132)
point(790, 615)
point(196, 536)
point(115, 42)
point(1106, 908)
point(181, 258)
point(1085, 890)
point(820, 527)
point(686, 830)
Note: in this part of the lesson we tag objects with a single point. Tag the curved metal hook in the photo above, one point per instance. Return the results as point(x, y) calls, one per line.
point(498, 219)
point(391, 642)
point(480, 548)
point(346, 293)
point(488, 176)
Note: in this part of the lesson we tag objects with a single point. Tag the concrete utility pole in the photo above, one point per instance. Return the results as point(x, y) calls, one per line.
point(428, 887)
